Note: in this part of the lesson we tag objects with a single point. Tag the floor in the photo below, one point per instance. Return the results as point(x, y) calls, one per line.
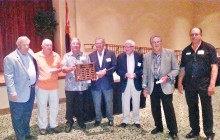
point(117, 133)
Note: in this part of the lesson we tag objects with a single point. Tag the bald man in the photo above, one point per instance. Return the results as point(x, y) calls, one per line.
point(47, 87)
point(20, 73)
point(129, 68)
point(198, 73)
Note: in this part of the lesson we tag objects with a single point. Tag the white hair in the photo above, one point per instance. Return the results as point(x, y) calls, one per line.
point(22, 39)
point(129, 42)
point(45, 41)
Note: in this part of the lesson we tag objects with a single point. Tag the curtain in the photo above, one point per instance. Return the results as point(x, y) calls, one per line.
point(16, 19)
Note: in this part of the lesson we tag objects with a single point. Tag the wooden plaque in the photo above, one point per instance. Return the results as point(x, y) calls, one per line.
point(85, 72)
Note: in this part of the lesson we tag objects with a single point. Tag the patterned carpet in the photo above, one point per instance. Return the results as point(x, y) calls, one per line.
point(117, 133)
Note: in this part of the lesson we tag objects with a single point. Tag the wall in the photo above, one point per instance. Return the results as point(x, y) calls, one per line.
point(207, 17)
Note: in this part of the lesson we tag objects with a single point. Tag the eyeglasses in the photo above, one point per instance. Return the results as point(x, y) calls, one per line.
point(156, 42)
point(194, 35)
point(128, 46)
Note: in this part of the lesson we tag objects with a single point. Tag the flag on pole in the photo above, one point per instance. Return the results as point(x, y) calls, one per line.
point(67, 30)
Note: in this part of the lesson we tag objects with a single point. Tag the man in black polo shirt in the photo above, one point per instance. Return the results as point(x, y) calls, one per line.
point(198, 76)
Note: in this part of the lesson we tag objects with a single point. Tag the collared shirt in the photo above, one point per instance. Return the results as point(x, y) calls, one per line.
point(198, 64)
point(69, 59)
point(47, 80)
point(100, 58)
point(130, 63)
point(28, 63)
point(157, 63)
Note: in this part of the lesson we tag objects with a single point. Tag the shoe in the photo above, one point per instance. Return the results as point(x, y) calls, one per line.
point(30, 137)
point(211, 137)
point(43, 131)
point(56, 129)
point(156, 130)
point(123, 125)
point(97, 123)
point(174, 136)
point(191, 135)
point(110, 123)
point(82, 125)
point(68, 128)
point(137, 125)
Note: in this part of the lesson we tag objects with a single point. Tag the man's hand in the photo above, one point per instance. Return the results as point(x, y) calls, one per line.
point(101, 73)
point(130, 75)
point(145, 92)
point(211, 89)
point(164, 79)
point(180, 88)
point(14, 96)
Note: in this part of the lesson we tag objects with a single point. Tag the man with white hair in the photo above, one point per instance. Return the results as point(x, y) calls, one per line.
point(49, 66)
point(130, 73)
point(20, 73)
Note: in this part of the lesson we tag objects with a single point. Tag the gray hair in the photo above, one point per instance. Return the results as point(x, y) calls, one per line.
point(45, 41)
point(22, 39)
point(129, 42)
point(152, 37)
point(99, 38)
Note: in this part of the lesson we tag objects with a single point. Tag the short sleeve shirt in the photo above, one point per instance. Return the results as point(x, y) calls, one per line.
point(198, 64)
point(69, 60)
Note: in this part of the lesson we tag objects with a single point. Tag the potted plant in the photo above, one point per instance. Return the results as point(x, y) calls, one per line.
point(45, 23)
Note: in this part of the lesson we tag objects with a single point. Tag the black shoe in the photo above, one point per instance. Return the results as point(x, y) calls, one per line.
point(68, 128)
point(43, 131)
point(156, 130)
point(137, 125)
point(97, 123)
point(211, 137)
point(174, 136)
point(82, 125)
point(123, 125)
point(30, 137)
point(110, 123)
point(192, 135)
point(56, 129)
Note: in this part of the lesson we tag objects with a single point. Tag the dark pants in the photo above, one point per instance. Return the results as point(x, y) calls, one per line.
point(21, 115)
point(75, 101)
point(191, 94)
point(156, 97)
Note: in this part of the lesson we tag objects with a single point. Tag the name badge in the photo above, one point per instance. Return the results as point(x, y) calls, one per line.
point(188, 53)
point(201, 52)
point(82, 58)
point(139, 64)
point(108, 60)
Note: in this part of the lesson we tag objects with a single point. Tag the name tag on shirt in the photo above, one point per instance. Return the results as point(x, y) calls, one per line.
point(108, 60)
point(188, 53)
point(82, 58)
point(201, 52)
point(139, 64)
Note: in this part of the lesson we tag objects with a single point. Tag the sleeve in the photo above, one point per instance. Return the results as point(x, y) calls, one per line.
point(182, 63)
point(9, 75)
point(174, 67)
point(144, 81)
point(213, 55)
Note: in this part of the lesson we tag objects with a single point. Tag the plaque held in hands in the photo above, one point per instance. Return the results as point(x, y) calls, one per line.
point(85, 72)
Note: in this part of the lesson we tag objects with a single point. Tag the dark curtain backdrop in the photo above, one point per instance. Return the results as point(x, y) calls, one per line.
point(16, 19)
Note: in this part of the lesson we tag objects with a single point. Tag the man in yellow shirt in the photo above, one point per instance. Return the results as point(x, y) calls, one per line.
point(47, 87)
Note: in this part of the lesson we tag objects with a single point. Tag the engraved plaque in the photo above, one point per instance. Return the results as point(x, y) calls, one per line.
point(85, 72)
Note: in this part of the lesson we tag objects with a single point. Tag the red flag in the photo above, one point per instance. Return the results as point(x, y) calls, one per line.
point(67, 30)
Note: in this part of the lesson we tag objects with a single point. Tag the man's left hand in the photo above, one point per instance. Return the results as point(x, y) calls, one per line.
point(211, 90)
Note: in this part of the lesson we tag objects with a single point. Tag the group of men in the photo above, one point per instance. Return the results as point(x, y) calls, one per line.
point(154, 73)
